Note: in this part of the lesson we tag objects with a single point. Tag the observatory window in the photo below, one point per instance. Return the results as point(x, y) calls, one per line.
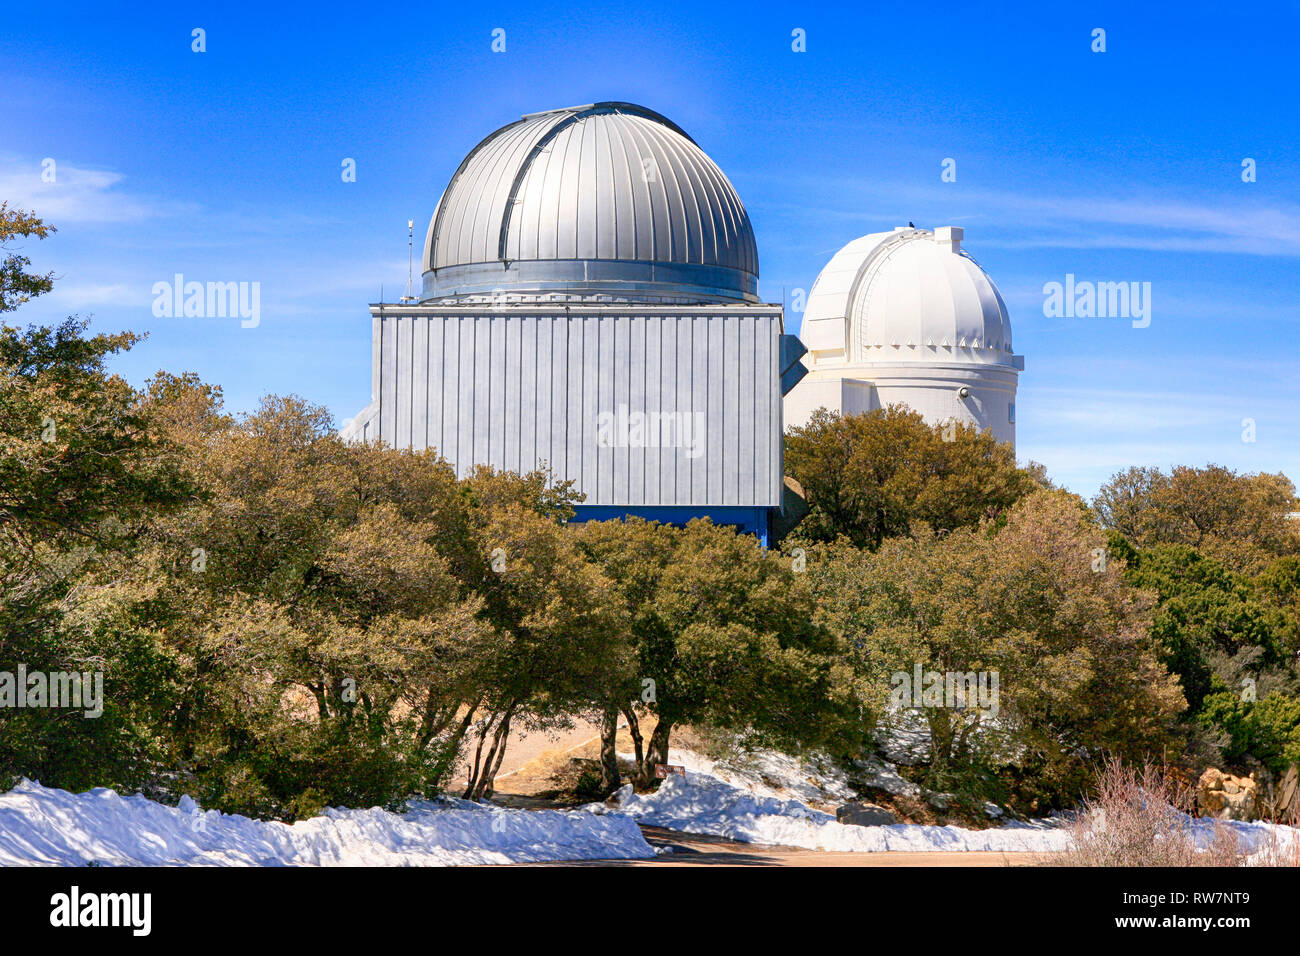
point(1011, 413)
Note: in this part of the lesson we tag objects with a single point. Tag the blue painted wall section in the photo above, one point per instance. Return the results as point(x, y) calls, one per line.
point(755, 521)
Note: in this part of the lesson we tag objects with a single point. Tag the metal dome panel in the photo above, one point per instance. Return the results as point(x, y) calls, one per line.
point(615, 197)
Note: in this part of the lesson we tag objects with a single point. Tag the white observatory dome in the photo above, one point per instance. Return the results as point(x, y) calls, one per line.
point(908, 318)
point(910, 295)
point(605, 202)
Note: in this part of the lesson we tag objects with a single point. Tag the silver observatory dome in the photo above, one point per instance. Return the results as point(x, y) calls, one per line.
point(609, 202)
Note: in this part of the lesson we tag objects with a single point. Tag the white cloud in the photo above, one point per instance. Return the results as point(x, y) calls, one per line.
point(1136, 221)
point(77, 195)
point(77, 298)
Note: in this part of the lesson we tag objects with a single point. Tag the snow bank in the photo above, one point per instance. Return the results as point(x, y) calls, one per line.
point(43, 826)
point(810, 779)
point(1261, 842)
point(765, 802)
point(1269, 844)
point(702, 803)
point(767, 773)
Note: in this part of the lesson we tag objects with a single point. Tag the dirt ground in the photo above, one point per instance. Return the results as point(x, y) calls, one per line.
point(531, 762)
point(689, 849)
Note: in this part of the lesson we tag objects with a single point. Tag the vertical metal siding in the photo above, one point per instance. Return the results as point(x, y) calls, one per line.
point(654, 364)
point(464, 420)
point(685, 381)
point(525, 395)
point(588, 471)
point(520, 390)
point(634, 395)
point(699, 466)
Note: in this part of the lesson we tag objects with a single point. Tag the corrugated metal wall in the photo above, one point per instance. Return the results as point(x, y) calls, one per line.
point(518, 389)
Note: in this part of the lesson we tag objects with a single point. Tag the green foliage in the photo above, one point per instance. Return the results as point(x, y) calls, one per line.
point(868, 477)
point(348, 628)
point(1224, 560)
point(1238, 519)
point(1078, 676)
point(82, 469)
point(588, 786)
point(79, 459)
point(1267, 730)
point(724, 631)
point(737, 644)
point(309, 765)
point(1205, 607)
point(17, 285)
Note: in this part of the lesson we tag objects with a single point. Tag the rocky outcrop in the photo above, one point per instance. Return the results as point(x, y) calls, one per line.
point(1222, 795)
point(1287, 798)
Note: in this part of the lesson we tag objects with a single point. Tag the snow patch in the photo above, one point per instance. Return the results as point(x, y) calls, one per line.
point(44, 826)
point(878, 774)
point(766, 773)
point(702, 803)
point(755, 805)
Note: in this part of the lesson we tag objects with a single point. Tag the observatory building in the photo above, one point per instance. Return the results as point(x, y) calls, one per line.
point(590, 305)
point(908, 317)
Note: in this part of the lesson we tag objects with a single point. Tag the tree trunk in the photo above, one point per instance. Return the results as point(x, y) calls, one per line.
point(638, 743)
point(961, 749)
point(941, 739)
point(498, 752)
point(472, 782)
point(658, 750)
point(435, 720)
point(609, 775)
point(451, 747)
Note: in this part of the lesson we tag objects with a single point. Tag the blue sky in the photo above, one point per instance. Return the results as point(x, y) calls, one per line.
point(1116, 166)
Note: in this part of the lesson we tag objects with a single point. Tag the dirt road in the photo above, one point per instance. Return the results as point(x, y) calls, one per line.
point(690, 849)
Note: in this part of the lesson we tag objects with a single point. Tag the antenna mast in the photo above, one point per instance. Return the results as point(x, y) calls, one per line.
point(410, 260)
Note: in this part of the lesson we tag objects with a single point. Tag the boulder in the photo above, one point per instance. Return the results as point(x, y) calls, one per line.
point(1227, 797)
point(864, 815)
point(940, 801)
point(1287, 789)
point(1211, 802)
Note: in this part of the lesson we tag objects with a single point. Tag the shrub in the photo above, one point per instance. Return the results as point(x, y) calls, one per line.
point(1143, 818)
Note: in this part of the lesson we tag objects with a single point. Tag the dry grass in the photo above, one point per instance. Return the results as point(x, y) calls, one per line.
point(1281, 848)
point(1143, 818)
